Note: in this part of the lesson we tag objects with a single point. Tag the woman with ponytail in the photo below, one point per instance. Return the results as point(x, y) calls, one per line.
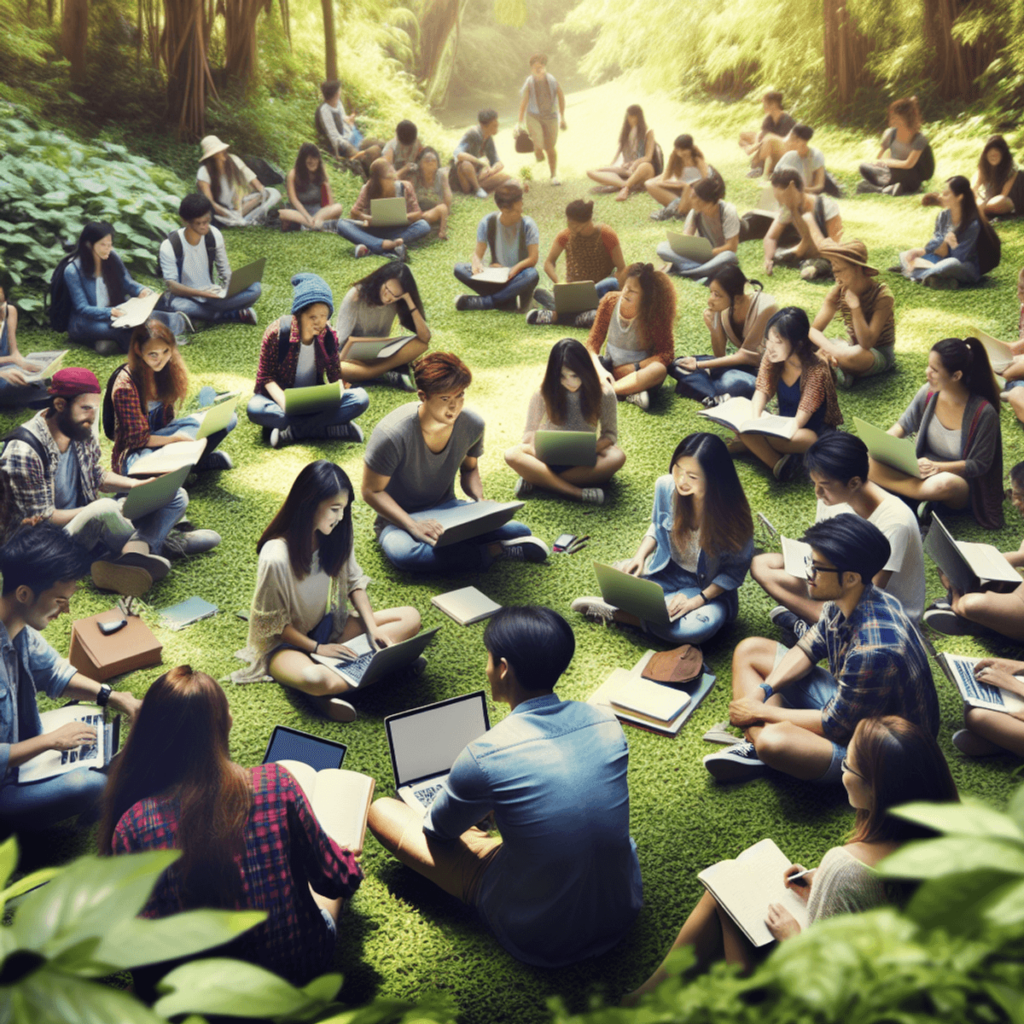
point(634, 326)
point(955, 416)
point(248, 838)
point(737, 322)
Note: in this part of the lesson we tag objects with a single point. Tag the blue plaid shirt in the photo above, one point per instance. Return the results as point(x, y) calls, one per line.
point(879, 662)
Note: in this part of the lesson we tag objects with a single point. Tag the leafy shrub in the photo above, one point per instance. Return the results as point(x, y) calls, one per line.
point(51, 185)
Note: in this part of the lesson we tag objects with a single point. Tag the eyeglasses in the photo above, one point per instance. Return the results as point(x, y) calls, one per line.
point(845, 765)
point(811, 568)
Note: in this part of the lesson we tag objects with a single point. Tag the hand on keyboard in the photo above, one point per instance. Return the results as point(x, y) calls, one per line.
point(339, 651)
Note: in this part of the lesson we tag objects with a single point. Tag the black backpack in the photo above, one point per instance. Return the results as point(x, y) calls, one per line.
point(990, 248)
point(926, 163)
point(179, 253)
point(268, 173)
point(59, 301)
point(109, 419)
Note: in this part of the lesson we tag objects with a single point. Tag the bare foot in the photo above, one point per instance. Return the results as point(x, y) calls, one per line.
point(624, 194)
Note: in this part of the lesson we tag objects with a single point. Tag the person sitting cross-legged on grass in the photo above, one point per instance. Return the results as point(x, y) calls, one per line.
point(311, 201)
point(672, 188)
point(299, 351)
point(433, 191)
point(993, 610)
point(867, 310)
point(475, 168)
point(901, 173)
point(888, 763)
point(592, 253)
point(635, 161)
point(711, 217)
point(998, 183)
point(367, 313)
point(513, 242)
point(410, 465)
point(307, 564)
point(777, 124)
point(791, 369)
point(571, 397)
point(959, 446)
point(239, 198)
point(562, 883)
point(337, 130)
point(403, 150)
point(816, 219)
point(796, 152)
point(798, 717)
point(837, 464)
point(634, 327)
point(736, 319)
point(697, 549)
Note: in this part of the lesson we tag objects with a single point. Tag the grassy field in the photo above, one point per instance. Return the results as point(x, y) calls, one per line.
point(400, 937)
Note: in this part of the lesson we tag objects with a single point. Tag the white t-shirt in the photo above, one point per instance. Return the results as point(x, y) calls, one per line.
point(227, 195)
point(906, 562)
point(804, 166)
point(305, 371)
point(828, 205)
point(195, 267)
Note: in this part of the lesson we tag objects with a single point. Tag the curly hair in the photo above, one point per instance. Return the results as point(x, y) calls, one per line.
point(657, 296)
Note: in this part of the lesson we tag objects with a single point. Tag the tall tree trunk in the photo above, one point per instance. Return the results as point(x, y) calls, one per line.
point(846, 51)
point(188, 72)
point(74, 34)
point(330, 41)
point(956, 66)
point(240, 36)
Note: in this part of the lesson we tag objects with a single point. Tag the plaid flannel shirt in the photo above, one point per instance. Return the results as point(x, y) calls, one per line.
point(283, 374)
point(281, 832)
point(32, 482)
point(879, 662)
point(131, 424)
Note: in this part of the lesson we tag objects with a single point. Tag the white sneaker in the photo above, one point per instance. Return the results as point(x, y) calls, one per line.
point(641, 399)
point(481, 193)
point(594, 608)
point(555, 181)
point(719, 733)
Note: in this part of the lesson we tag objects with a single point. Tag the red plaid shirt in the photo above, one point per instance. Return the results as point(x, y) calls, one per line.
point(283, 374)
point(131, 424)
point(282, 832)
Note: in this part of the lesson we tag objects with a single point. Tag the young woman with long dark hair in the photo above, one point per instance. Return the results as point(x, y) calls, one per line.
point(309, 192)
point(306, 579)
point(672, 188)
point(98, 283)
point(998, 184)
point(239, 198)
point(955, 416)
point(889, 762)
point(248, 837)
point(146, 395)
point(433, 191)
point(635, 160)
point(571, 397)
point(698, 548)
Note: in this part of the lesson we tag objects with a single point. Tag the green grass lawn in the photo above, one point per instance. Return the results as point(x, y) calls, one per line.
point(400, 936)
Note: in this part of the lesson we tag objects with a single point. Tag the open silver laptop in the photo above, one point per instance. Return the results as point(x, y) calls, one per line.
point(241, 278)
point(634, 594)
point(575, 297)
point(470, 520)
point(968, 565)
point(388, 213)
point(371, 664)
point(425, 742)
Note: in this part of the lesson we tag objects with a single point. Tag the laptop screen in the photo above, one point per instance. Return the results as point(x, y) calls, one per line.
point(292, 745)
point(426, 741)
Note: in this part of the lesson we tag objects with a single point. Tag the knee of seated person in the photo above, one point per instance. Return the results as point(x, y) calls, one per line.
point(616, 457)
point(359, 397)
point(970, 606)
point(105, 508)
point(180, 501)
point(774, 740)
point(84, 785)
point(385, 821)
point(658, 372)
point(751, 649)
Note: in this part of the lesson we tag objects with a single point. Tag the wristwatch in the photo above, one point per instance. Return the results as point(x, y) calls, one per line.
point(104, 695)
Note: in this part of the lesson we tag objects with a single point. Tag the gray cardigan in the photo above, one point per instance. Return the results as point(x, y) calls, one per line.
point(981, 448)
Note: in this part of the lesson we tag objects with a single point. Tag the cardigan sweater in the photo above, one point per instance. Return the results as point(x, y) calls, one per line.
point(657, 336)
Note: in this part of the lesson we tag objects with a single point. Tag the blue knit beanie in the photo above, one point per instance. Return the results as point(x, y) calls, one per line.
point(310, 288)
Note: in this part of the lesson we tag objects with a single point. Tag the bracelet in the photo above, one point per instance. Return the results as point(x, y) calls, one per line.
point(768, 691)
point(316, 647)
point(704, 597)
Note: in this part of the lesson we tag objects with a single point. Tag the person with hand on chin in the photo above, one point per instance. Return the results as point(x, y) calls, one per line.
point(40, 566)
point(411, 461)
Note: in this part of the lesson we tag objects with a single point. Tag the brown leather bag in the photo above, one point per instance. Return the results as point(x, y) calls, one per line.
point(676, 667)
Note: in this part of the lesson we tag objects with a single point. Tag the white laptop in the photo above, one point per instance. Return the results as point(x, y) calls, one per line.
point(425, 742)
point(371, 664)
point(388, 213)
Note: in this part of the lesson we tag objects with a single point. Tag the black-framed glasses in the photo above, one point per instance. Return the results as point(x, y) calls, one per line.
point(811, 568)
point(845, 765)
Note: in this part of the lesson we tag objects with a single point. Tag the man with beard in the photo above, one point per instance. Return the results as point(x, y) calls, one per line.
point(53, 469)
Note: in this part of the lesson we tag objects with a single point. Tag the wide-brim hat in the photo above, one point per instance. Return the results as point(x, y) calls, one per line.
point(211, 146)
point(854, 251)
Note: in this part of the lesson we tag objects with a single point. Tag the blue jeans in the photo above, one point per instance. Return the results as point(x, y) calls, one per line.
point(85, 331)
point(38, 805)
point(269, 415)
point(700, 624)
point(965, 273)
point(215, 311)
point(185, 425)
point(498, 295)
point(373, 238)
point(406, 552)
point(606, 285)
point(700, 384)
point(691, 268)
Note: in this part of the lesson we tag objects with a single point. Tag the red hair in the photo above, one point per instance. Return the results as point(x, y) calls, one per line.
point(170, 385)
point(438, 373)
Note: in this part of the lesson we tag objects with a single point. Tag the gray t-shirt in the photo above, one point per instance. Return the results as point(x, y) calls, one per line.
point(804, 166)
point(363, 320)
point(65, 481)
point(901, 150)
point(728, 225)
point(420, 478)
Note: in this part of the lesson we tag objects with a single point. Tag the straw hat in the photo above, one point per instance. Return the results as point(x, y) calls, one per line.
point(854, 251)
point(211, 146)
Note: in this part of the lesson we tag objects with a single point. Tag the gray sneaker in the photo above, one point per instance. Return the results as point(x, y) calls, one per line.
point(544, 298)
point(719, 733)
point(592, 496)
point(666, 212)
point(401, 378)
point(281, 438)
point(193, 542)
point(737, 763)
point(523, 488)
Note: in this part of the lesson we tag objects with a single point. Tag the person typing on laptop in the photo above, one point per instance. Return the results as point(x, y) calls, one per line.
point(55, 473)
point(188, 257)
point(798, 717)
point(563, 881)
point(411, 462)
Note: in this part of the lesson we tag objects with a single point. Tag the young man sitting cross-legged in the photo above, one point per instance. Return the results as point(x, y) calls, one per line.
point(798, 717)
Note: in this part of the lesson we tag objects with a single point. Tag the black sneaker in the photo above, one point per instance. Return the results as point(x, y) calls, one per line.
point(464, 302)
point(945, 620)
point(735, 764)
point(524, 549)
point(790, 624)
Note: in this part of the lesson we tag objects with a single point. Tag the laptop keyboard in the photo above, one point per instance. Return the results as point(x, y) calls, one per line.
point(356, 668)
point(426, 794)
point(976, 690)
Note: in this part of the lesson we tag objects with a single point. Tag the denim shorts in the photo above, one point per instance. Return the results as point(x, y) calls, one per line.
point(332, 927)
point(1011, 384)
point(811, 693)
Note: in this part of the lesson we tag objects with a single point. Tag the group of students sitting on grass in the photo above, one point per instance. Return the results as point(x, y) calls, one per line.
point(860, 722)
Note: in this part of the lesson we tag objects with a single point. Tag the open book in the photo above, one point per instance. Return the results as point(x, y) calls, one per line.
point(383, 348)
point(738, 415)
point(747, 885)
point(340, 799)
point(48, 362)
point(169, 457)
point(51, 763)
point(136, 311)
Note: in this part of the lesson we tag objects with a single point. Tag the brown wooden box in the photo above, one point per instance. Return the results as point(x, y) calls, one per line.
point(102, 657)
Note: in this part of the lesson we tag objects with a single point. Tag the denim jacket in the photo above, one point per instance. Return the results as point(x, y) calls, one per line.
point(728, 570)
point(41, 669)
point(82, 287)
point(966, 248)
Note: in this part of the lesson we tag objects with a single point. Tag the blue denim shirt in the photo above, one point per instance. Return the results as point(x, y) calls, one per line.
point(966, 248)
point(42, 668)
point(728, 570)
point(82, 287)
point(565, 883)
